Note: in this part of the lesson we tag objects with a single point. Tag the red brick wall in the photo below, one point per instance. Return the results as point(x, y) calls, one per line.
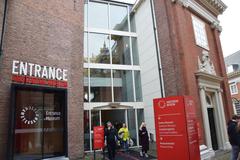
point(48, 33)
point(178, 48)
point(1, 16)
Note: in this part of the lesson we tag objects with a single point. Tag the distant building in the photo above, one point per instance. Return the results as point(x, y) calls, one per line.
point(233, 69)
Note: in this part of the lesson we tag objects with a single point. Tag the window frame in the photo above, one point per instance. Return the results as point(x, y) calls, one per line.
point(235, 86)
point(199, 42)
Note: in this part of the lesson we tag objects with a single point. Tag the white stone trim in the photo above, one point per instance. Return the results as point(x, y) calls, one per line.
point(92, 105)
point(192, 4)
point(206, 153)
point(111, 66)
point(109, 31)
point(211, 84)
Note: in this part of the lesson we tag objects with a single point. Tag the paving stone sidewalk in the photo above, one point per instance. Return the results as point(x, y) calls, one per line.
point(134, 155)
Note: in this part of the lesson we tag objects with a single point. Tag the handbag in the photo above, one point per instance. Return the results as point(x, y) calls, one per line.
point(131, 143)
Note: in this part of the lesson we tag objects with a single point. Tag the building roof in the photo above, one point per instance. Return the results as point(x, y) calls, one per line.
point(233, 59)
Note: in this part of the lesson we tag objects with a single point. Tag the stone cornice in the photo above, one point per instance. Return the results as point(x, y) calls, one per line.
point(203, 12)
point(209, 77)
point(216, 6)
point(234, 74)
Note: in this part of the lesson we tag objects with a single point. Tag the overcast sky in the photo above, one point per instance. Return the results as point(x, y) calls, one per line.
point(230, 21)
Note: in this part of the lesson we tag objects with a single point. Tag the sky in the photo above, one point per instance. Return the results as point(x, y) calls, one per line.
point(230, 22)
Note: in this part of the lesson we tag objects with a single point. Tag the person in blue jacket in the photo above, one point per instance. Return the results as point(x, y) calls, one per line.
point(234, 136)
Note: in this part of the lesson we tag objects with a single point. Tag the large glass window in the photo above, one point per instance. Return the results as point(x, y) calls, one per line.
point(100, 83)
point(111, 56)
point(132, 23)
point(86, 85)
point(86, 131)
point(138, 86)
point(99, 48)
point(140, 116)
point(98, 15)
point(120, 50)
point(123, 86)
point(95, 118)
point(85, 49)
point(85, 14)
point(135, 51)
point(132, 124)
point(118, 17)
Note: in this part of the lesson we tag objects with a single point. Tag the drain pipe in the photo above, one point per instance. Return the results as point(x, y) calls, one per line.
point(3, 27)
point(157, 49)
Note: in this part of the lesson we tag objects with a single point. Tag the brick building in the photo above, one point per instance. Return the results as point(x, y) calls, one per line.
point(233, 69)
point(68, 66)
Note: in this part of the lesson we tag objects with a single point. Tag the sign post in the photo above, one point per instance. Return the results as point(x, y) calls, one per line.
point(98, 138)
point(176, 128)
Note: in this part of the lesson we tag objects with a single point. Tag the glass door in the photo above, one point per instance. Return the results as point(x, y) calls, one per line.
point(39, 124)
point(53, 125)
point(28, 125)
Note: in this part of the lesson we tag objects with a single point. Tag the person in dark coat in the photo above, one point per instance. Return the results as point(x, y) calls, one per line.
point(110, 140)
point(144, 139)
point(234, 136)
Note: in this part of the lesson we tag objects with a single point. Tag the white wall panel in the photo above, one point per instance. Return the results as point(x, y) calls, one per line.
point(148, 62)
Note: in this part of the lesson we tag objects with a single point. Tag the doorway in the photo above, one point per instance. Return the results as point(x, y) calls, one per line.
point(117, 117)
point(133, 117)
point(212, 121)
point(39, 128)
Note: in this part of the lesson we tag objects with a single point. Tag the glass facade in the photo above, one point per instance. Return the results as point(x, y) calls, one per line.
point(100, 85)
point(111, 68)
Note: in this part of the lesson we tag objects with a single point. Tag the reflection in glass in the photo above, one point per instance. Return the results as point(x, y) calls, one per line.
point(98, 15)
point(86, 85)
point(132, 22)
point(86, 131)
point(132, 125)
point(100, 82)
point(28, 130)
point(140, 116)
point(95, 118)
point(99, 48)
point(120, 50)
point(118, 18)
point(53, 144)
point(138, 86)
point(135, 51)
point(85, 14)
point(123, 86)
point(85, 48)
point(40, 124)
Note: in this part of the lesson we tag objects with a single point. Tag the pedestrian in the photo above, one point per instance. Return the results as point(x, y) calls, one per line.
point(144, 139)
point(124, 136)
point(234, 136)
point(110, 140)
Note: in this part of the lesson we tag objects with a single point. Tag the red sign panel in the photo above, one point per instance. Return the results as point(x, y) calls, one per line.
point(176, 128)
point(39, 81)
point(98, 137)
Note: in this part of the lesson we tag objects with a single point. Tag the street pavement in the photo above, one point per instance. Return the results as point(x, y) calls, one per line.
point(134, 155)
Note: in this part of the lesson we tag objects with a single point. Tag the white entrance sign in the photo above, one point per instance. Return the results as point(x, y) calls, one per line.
point(36, 70)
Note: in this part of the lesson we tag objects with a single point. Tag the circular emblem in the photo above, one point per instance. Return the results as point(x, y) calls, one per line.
point(29, 115)
point(162, 104)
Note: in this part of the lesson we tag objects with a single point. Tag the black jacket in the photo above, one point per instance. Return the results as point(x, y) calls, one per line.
point(234, 136)
point(111, 136)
